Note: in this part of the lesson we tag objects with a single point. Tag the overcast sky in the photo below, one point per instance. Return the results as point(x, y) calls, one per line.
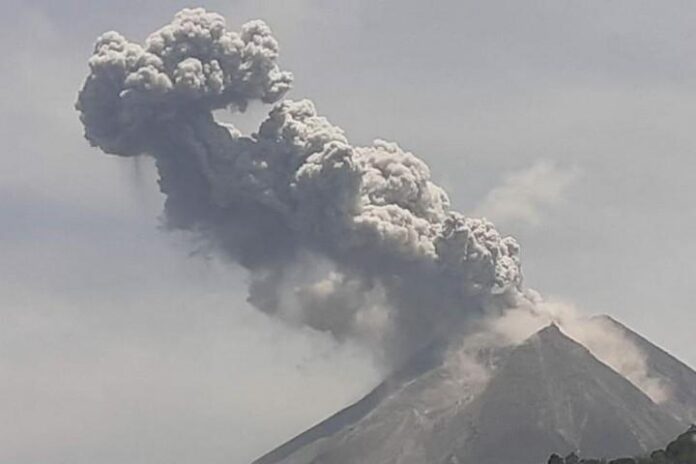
point(567, 122)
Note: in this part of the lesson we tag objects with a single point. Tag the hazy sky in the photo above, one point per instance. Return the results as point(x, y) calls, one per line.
point(567, 122)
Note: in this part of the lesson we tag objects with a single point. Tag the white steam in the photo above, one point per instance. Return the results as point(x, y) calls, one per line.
point(603, 338)
point(525, 195)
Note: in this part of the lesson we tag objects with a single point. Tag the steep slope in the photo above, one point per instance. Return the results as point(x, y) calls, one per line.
point(307, 445)
point(547, 394)
point(679, 378)
point(552, 394)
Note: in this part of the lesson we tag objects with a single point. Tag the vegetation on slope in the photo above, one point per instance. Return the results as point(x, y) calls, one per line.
point(680, 451)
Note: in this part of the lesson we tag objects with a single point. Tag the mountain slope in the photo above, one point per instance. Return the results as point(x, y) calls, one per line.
point(552, 394)
point(679, 378)
point(548, 394)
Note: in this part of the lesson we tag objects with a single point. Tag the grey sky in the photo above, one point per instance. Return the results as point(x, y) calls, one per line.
point(119, 345)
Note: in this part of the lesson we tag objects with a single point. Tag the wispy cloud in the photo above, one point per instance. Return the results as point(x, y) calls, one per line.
point(524, 196)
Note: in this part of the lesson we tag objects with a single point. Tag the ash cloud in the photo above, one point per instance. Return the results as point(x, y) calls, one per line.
point(355, 241)
point(294, 202)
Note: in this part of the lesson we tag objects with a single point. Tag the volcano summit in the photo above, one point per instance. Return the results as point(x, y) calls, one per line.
point(547, 394)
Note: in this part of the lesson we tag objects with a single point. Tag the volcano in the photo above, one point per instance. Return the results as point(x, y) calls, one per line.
point(513, 405)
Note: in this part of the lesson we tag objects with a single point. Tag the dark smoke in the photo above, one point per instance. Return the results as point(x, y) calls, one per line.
point(357, 241)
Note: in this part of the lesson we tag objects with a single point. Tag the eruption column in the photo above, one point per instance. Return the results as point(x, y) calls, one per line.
point(403, 266)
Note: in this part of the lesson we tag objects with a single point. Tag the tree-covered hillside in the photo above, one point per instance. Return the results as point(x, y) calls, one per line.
point(680, 451)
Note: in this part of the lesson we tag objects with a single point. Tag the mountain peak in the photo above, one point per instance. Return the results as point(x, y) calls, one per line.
point(551, 330)
point(547, 394)
point(609, 319)
point(554, 336)
point(677, 377)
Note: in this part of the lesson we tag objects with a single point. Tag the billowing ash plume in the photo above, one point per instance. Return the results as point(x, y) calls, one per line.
point(357, 241)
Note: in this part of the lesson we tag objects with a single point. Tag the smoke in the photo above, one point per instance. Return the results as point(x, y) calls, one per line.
point(600, 335)
point(357, 241)
point(525, 195)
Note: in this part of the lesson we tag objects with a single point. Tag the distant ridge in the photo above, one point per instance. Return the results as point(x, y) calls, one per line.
point(679, 378)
